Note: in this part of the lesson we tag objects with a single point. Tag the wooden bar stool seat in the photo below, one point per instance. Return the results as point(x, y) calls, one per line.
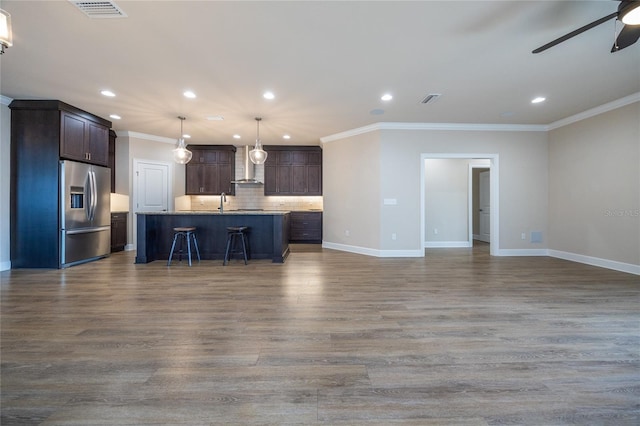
point(186, 234)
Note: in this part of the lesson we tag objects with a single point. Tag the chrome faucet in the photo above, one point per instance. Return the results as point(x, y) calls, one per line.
point(223, 199)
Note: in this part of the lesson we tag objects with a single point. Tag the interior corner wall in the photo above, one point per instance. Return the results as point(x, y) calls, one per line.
point(5, 186)
point(351, 192)
point(594, 193)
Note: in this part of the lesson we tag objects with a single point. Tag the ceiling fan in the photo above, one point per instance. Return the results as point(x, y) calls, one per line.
point(628, 13)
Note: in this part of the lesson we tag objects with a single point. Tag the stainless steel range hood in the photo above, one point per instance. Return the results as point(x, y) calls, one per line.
point(249, 172)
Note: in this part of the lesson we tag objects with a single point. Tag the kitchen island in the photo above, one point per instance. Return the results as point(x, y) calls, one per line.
point(268, 233)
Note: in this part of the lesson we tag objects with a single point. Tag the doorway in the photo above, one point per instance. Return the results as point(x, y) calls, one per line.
point(479, 203)
point(488, 161)
point(151, 188)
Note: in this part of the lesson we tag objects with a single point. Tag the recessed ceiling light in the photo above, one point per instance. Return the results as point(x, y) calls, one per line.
point(386, 97)
point(189, 94)
point(286, 137)
point(269, 95)
point(186, 136)
point(115, 116)
point(215, 118)
point(108, 93)
point(538, 100)
point(236, 136)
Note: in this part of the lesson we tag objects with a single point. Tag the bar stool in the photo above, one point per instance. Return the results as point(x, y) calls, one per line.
point(233, 233)
point(185, 234)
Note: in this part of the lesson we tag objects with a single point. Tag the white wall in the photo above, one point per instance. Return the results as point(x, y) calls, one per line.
point(523, 187)
point(594, 193)
point(351, 188)
point(446, 200)
point(5, 182)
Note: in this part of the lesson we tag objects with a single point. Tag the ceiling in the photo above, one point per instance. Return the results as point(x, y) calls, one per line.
point(327, 62)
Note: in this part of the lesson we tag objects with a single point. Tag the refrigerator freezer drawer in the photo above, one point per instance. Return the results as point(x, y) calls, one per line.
point(85, 245)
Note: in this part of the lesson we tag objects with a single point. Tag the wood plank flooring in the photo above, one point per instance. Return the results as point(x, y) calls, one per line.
point(458, 337)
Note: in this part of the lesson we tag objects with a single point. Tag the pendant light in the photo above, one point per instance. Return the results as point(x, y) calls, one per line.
point(181, 154)
point(258, 155)
point(6, 38)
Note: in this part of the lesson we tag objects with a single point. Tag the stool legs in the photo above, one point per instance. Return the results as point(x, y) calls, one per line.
point(188, 236)
point(231, 244)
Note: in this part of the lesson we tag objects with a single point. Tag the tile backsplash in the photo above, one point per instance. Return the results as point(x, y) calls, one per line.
point(248, 196)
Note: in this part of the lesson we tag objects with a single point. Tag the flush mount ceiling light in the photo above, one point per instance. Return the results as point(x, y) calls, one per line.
point(258, 155)
point(538, 100)
point(189, 94)
point(107, 93)
point(630, 13)
point(386, 97)
point(6, 37)
point(269, 95)
point(181, 154)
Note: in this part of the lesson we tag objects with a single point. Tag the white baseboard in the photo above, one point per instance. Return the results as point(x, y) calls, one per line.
point(596, 261)
point(373, 252)
point(573, 257)
point(5, 266)
point(130, 247)
point(447, 244)
point(522, 252)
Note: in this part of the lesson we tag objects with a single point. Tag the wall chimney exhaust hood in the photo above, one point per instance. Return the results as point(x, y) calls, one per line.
point(249, 176)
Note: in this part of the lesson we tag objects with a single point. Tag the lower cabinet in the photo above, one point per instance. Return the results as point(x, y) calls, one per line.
point(306, 227)
point(118, 231)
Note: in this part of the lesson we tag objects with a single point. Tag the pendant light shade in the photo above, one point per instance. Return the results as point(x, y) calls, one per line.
point(258, 155)
point(6, 38)
point(181, 154)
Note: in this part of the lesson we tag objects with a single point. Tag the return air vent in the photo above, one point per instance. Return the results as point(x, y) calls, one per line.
point(430, 98)
point(99, 9)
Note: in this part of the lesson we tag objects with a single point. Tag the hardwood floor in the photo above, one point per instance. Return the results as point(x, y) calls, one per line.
point(458, 337)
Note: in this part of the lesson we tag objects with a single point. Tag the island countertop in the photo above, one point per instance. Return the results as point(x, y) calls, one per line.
point(268, 233)
point(217, 212)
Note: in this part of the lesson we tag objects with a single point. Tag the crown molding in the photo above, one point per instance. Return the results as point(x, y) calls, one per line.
point(627, 100)
point(436, 126)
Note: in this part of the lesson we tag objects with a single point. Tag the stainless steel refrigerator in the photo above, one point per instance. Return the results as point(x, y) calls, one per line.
point(85, 222)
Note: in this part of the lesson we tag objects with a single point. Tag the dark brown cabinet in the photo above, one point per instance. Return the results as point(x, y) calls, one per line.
point(83, 140)
point(293, 170)
point(118, 231)
point(112, 158)
point(43, 132)
point(211, 170)
point(306, 227)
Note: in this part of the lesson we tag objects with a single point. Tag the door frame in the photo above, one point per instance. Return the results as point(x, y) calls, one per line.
point(494, 184)
point(470, 202)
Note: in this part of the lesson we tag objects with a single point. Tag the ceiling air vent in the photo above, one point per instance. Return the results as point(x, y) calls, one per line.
point(430, 98)
point(99, 9)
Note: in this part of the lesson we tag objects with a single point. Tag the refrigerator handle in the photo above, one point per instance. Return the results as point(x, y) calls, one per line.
point(94, 193)
point(87, 196)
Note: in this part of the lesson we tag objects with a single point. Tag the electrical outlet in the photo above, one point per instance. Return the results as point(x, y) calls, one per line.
point(393, 236)
point(346, 233)
point(435, 231)
point(523, 236)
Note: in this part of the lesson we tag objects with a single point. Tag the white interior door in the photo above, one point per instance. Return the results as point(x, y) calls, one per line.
point(151, 186)
point(485, 207)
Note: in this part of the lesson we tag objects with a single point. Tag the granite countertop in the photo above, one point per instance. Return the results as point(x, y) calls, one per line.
point(216, 212)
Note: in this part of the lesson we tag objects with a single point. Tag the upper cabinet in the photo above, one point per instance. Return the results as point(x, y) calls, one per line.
point(80, 136)
point(211, 170)
point(293, 170)
point(83, 140)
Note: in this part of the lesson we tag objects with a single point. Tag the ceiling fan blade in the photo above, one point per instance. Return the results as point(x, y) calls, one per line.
point(575, 32)
point(627, 37)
